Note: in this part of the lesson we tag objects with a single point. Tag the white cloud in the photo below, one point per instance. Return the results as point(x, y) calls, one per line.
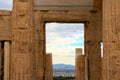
point(64, 55)
point(64, 34)
point(66, 60)
point(62, 39)
point(6, 4)
point(63, 51)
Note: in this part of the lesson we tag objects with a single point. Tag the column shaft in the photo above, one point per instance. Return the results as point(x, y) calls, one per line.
point(48, 69)
point(22, 59)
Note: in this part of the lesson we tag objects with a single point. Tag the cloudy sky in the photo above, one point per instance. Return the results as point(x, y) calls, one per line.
point(6, 4)
point(62, 39)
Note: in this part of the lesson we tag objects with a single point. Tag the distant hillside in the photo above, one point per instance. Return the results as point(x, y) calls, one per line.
point(65, 70)
point(63, 66)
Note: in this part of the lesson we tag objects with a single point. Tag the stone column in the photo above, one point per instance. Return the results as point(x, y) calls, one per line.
point(78, 51)
point(93, 37)
point(111, 39)
point(94, 60)
point(1, 61)
point(80, 65)
point(40, 46)
point(6, 60)
point(23, 63)
point(49, 68)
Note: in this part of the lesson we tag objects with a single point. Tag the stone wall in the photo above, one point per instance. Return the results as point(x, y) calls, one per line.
point(25, 29)
point(93, 34)
point(5, 25)
point(22, 61)
point(111, 39)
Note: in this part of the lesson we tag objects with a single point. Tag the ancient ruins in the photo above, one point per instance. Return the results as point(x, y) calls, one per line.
point(80, 65)
point(22, 37)
point(48, 66)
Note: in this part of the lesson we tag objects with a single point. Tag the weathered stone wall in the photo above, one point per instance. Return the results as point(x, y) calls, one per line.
point(80, 16)
point(5, 25)
point(80, 65)
point(78, 52)
point(28, 38)
point(5, 35)
point(111, 39)
point(93, 35)
point(23, 25)
point(41, 17)
point(63, 4)
point(92, 47)
point(22, 61)
point(40, 45)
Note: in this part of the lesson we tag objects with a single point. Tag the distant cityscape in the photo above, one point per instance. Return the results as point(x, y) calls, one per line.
point(63, 70)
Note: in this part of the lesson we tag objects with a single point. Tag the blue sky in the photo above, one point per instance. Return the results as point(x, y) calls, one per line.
point(62, 39)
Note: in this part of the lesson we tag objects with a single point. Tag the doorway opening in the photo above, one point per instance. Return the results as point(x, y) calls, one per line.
point(62, 39)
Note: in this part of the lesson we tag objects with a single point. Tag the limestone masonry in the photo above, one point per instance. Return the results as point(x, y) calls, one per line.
point(22, 40)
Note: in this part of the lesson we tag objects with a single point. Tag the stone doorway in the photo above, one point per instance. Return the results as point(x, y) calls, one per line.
point(61, 41)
